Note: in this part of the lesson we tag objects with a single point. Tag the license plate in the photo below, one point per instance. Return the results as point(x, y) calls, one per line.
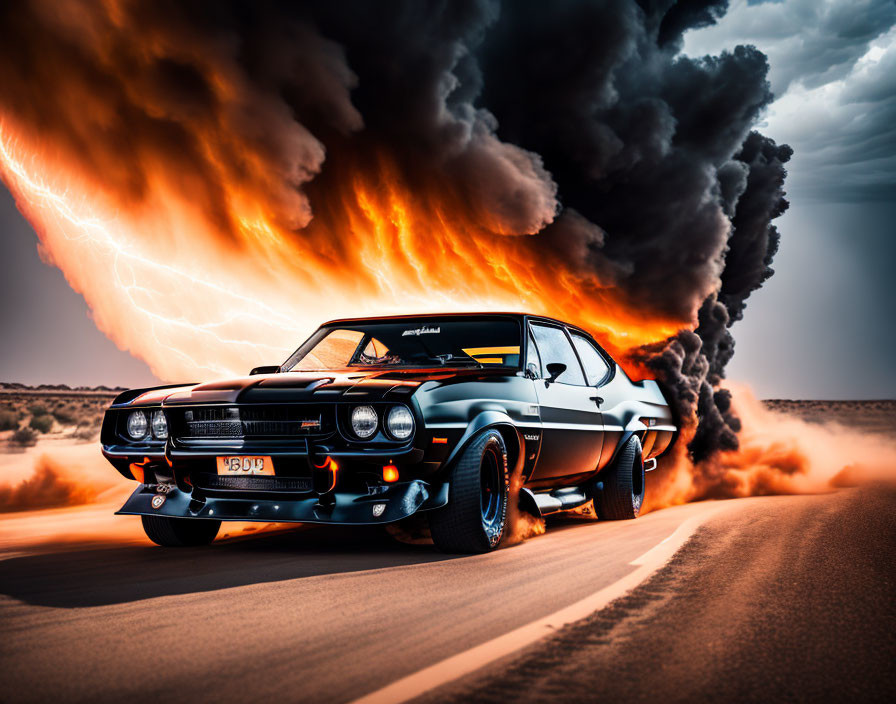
point(245, 465)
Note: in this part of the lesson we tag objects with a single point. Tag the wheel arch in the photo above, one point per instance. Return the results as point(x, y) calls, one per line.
point(626, 436)
point(494, 420)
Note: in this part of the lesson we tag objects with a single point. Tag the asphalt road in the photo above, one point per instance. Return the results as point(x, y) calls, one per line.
point(323, 615)
point(791, 599)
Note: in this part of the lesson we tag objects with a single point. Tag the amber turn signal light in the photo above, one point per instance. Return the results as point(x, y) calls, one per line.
point(390, 473)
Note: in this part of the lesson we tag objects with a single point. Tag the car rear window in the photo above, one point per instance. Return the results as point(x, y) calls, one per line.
point(596, 366)
point(554, 346)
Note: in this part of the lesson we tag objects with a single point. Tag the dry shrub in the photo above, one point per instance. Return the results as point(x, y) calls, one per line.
point(86, 432)
point(42, 424)
point(65, 415)
point(93, 421)
point(23, 437)
point(38, 409)
point(9, 420)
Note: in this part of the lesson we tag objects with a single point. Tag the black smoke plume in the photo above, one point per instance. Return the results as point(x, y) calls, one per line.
point(656, 149)
point(579, 123)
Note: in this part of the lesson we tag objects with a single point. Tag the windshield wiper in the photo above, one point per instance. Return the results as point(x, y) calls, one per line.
point(444, 359)
point(463, 359)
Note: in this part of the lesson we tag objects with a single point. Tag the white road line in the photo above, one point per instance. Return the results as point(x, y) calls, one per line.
point(471, 660)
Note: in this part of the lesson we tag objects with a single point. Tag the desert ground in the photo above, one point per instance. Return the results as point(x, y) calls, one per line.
point(773, 598)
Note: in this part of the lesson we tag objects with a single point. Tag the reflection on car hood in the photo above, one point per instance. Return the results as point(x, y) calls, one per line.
point(306, 386)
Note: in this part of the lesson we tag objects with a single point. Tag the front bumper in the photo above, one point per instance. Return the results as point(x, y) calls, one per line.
point(398, 501)
point(122, 457)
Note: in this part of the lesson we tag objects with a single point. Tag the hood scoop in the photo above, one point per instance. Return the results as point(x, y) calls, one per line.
point(225, 385)
point(289, 380)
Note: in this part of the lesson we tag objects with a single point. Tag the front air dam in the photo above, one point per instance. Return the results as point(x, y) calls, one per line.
point(396, 502)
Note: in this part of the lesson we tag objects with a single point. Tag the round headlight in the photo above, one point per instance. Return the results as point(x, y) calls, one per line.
point(137, 425)
point(363, 421)
point(159, 425)
point(400, 422)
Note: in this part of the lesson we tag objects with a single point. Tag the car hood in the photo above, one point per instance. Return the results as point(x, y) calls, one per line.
point(353, 385)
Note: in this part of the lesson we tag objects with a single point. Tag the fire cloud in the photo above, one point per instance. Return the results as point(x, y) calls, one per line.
point(215, 179)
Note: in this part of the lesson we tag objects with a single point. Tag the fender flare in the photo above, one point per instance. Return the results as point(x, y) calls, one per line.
point(131, 394)
point(483, 421)
point(626, 436)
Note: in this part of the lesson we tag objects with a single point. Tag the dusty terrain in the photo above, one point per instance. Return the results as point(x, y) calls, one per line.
point(781, 598)
point(877, 417)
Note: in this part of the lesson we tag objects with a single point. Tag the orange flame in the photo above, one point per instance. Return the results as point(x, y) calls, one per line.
point(195, 295)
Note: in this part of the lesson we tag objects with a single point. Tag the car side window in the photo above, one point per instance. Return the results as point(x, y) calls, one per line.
point(533, 361)
point(554, 346)
point(375, 352)
point(596, 366)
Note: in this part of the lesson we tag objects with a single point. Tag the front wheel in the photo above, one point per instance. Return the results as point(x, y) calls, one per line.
point(476, 514)
point(180, 532)
point(620, 488)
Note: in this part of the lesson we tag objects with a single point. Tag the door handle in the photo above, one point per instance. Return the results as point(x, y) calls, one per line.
point(597, 399)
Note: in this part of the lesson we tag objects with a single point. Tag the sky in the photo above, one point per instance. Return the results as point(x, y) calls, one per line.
point(821, 327)
point(817, 329)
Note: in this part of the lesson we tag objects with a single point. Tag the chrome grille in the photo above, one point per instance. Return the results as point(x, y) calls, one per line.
point(213, 423)
point(281, 421)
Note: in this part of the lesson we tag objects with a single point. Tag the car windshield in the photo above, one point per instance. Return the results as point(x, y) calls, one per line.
point(419, 342)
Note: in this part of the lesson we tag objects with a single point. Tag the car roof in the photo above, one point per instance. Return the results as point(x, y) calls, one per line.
point(482, 314)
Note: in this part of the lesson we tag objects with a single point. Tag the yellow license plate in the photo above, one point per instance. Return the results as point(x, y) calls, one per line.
point(243, 465)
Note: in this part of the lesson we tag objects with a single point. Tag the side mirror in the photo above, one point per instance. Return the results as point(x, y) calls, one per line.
point(275, 369)
point(555, 369)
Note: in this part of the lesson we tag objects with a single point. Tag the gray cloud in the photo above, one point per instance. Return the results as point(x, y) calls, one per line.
point(833, 72)
point(811, 42)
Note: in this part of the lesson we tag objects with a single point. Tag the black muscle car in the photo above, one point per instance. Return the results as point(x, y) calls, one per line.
point(373, 420)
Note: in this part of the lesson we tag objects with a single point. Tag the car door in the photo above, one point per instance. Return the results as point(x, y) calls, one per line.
point(572, 424)
point(598, 372)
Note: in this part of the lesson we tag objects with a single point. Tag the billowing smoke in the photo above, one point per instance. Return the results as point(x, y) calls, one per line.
point(562, 157)
point(656, 149)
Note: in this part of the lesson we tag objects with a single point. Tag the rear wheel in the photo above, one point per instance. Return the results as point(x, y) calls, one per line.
point(180, 532)
point(620, 488)
point(476, 514)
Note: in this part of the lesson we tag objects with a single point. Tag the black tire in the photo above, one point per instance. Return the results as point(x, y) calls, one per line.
point(476, 515)
point(180, 532)
point(620, 488)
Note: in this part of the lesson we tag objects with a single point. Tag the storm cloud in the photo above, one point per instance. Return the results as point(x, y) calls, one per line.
point(833, 72)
